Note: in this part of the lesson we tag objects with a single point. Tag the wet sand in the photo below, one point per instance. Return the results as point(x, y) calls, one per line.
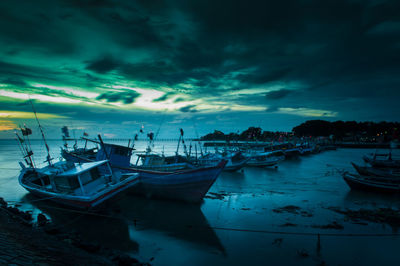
point(24, 242)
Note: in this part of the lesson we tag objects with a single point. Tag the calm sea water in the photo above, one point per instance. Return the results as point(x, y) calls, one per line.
point(237, 227)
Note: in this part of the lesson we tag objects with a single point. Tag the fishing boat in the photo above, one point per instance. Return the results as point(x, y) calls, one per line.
point(75, 185)
point(264, 159)
point(381, 172)
point(382, 160)
point(152, 161)
point(372, 183)
point(305, 148)
point(235, 160)
point(187, 185)
point(288, 149)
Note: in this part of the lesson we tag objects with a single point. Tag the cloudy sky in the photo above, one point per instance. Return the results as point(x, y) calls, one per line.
point(111, 66)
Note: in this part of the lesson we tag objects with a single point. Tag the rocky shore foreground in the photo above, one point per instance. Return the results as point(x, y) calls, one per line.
point(24, 242)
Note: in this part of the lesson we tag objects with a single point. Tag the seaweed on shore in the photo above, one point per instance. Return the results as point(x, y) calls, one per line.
point(214, 195)
point(293, 210)
point(333, 225)
point(380, 215)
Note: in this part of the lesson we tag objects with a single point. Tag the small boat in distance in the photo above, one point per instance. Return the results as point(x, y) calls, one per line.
point(264, 159)
point(235, 160)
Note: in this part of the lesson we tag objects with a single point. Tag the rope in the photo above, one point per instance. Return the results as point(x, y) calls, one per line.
point(302, 233)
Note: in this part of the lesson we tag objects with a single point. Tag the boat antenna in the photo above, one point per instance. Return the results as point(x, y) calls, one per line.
point(179, 142)
point(184, 144)
point(198, 138)
point(162, 121)
point(25, 150)
point(48, 158)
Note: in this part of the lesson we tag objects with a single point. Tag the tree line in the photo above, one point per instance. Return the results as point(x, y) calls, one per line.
point(339, 130)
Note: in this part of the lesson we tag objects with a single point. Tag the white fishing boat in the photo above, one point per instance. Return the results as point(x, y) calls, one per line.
point(79, 185)
point(75, 185)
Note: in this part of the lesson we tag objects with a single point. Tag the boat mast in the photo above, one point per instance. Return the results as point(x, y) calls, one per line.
point(25, 150)
point(48, 158)
point(107, 155)
point(198, 138)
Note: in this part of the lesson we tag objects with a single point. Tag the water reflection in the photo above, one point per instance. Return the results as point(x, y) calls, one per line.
point(103, 227)
point(110, 225)
point(181, 221)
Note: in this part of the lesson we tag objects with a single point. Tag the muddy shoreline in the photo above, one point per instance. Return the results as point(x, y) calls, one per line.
point(27, 240)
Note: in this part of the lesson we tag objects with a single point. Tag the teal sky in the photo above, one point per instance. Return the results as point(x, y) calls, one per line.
point(109, 67)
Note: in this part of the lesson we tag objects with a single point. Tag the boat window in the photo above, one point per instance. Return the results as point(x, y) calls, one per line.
point(94, 172)
point(65, 183)
point(42, 180)
point(73, 182)
point(121, 151)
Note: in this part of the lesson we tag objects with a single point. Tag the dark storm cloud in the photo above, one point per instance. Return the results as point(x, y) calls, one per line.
point(278, 94)
point(14, 82)
point(126, 97)
point(179, 99)
point(188, 108)
point(262, 76)
point(166, 96)
point(102, 65)
point(328, 55)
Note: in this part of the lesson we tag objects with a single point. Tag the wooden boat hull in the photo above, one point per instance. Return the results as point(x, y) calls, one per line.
point(230, 166)
point(235, 166)
point(189, 186)
point(382, 163)
point(291, 153)
point(167, 167)
point(265, 163)
point(359, 183)
point(369, 171)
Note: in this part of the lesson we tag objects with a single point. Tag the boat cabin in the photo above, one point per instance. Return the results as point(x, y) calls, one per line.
point(81, 179)
point(117, 155)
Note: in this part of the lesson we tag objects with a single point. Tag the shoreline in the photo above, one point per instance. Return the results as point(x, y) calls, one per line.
point(24, 241)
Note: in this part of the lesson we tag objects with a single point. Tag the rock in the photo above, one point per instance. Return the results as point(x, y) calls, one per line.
point(289, 208)
point(303, 253)
point(3, 203)
point(288, 225)
point(333, 225)
point(26, 215)
point(89, 247)
point(42, 220)
point(124, 260)
point(52, 231)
